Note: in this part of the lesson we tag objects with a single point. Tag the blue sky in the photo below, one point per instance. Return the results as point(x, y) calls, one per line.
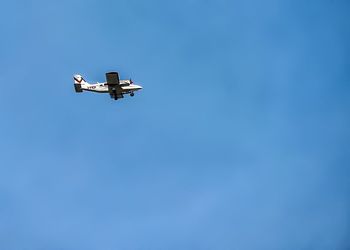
point(239, 139)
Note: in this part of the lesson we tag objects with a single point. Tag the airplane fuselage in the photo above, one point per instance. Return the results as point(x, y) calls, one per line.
point(103, 87)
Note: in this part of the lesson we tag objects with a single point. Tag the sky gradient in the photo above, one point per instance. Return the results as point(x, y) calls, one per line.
point(239, 139)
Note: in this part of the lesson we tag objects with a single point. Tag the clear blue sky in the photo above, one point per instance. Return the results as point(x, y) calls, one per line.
point(239, 139)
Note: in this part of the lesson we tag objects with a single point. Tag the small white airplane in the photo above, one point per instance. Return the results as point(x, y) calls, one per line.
point(115, 87)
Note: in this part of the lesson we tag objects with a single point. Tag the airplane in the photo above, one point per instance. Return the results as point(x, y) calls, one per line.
point(115, 87)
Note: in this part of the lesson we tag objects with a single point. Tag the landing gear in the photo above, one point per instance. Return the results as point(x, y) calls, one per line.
point(132, 94)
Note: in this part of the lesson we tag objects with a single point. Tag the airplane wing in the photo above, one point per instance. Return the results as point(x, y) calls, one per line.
point(112, 78)
point(116, 95)
point(113, 83)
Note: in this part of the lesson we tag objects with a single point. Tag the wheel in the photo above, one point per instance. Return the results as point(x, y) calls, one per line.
point(132, 94)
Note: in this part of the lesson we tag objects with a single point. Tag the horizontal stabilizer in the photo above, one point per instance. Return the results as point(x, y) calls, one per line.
point(78, 88)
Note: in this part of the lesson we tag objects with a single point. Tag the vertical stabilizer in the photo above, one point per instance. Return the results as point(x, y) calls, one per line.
point(79, 81)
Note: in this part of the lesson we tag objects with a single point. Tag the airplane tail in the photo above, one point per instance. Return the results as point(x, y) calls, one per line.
point(78, 82)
